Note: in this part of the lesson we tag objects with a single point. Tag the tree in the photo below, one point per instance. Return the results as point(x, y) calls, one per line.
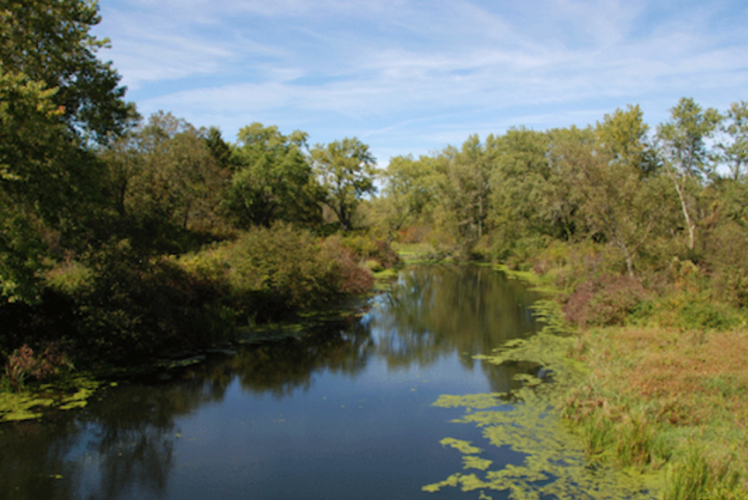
point(49, 42)
point(408, 190)
point(562, 196)
point(219, 148)
point(55, 99)
point(346, 171)
point(272, 179)
point(612, 177)
point(735, 152)
point(464, 186)
point(31, 140)
point(166, 173)
point(519, 182)
point(623, 136)
point(688, 159)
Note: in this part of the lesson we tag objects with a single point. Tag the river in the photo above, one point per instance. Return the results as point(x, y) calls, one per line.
point(341, 411)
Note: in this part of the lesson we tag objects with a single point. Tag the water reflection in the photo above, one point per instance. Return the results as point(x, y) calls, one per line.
point(443, 309)
point(127, 444)
point(280, 368)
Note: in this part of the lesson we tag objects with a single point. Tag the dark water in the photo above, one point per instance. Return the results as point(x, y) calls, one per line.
point(343, 412)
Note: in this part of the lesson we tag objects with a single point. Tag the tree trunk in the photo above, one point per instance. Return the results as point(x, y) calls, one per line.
point(690, 225)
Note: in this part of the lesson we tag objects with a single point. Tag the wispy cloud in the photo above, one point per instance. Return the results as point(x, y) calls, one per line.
point(387, 69)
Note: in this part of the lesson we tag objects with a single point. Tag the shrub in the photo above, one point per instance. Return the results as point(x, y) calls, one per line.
point(604, 301)
point(726, 256)
point(366, 247)
point(282, 269)
point(23, 363)
point(135, 307)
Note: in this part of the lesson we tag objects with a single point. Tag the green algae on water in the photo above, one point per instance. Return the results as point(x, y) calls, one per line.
point(554, 464)
point(460, 445)
point(30, 405)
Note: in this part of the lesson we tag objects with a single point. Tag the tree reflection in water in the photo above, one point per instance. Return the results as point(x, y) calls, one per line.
point(123, 445)
point(434, 311)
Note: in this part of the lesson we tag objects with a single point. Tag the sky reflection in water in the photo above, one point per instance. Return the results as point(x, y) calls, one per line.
point(344, 412)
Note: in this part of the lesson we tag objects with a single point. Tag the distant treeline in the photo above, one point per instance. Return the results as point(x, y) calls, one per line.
point(613, 199)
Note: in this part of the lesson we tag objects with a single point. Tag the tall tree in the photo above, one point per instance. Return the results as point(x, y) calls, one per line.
point(464, 186)
point(562, 196)
point(688, 158)
point(176, 178)
point(346, 170)
point(49, 41)
point(612, 175)
point(519, 181)
point(56, 98)
point(272, 179)
point(408, 190)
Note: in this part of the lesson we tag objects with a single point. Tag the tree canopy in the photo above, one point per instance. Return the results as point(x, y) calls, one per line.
point(346, 170)
point(56, 98)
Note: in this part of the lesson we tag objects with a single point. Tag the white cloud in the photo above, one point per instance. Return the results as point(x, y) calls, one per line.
point(383, 69)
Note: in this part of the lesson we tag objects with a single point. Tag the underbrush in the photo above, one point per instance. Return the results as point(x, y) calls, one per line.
point(118, 305)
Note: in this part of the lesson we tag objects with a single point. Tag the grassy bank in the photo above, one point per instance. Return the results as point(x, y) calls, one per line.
point(666, 400)
point(652, 396)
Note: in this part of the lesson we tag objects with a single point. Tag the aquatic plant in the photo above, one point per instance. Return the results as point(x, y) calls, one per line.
point(24, 363)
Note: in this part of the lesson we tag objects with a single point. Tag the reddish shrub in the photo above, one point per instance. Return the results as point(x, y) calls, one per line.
point(352, 278)
point(24, 363)
point(604, 301)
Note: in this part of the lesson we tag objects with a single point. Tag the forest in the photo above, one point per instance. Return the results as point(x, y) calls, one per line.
point(123, 237)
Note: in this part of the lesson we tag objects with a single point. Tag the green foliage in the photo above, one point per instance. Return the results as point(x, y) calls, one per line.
point(272, 179)
point(49, 42)
point(133, 308)
point(463, 189)
point(164, 174)
point(726, 256)
point(688, 159)
point(735, 126)
point(689, 310)
point(33, 156)
point(367, 247)
point(408, 193)
point(55, 99)
point(346, 172)
point(283, 269)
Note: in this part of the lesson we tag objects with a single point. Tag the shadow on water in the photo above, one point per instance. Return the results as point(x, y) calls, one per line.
point(128, 444)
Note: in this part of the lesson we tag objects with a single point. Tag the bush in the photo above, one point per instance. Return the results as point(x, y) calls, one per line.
point(282, 269)
point(726, 256)
point(134, 307)
point(608, 300)
point(24, 363)
point(366, 247)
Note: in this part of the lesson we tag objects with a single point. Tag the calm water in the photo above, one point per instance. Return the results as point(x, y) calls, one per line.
point(344, 412)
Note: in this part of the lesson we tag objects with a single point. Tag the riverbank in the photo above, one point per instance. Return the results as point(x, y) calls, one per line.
point(666, 402)
point(74, 389)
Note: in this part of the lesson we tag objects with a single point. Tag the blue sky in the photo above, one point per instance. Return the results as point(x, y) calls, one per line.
point(408, 76)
